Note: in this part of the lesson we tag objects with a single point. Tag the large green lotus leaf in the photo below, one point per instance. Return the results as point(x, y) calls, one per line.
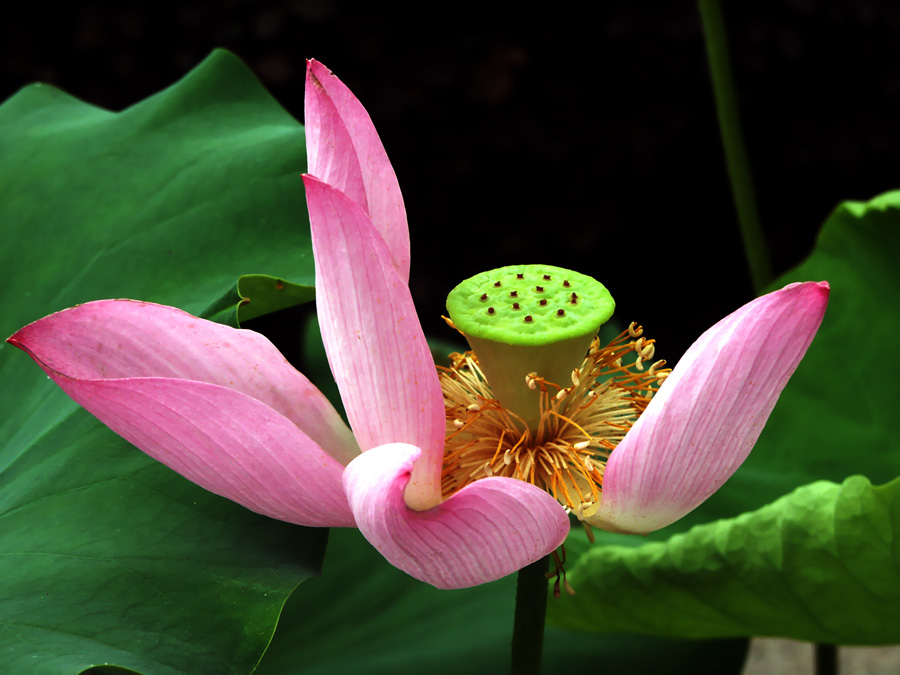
point(834, 419)
point(820, 564)
point(365, 617)
point(198, 184)
point(107, 557)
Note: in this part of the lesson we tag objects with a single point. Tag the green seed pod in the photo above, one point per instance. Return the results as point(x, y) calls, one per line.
point(526, 319)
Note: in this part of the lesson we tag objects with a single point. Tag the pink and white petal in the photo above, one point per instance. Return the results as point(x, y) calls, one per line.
point(224, 441)
point(708, 414)
point(330, 153)
point(487, 530)
point(114, 339)
point(375, 345)
point(344, 150)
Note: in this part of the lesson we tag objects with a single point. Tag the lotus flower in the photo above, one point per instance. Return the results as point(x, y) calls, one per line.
point(224, 409)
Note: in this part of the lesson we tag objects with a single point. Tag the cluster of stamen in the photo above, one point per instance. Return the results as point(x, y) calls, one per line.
point(580, 424)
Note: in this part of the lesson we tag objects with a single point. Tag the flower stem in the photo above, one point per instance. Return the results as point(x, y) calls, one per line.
point(733, 143)
point(528, 626)
point(826, 659)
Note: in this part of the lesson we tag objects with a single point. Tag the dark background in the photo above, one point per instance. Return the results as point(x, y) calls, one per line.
point(586, 141)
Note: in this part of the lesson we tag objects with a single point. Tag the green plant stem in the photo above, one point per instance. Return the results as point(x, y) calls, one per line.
point(826, 659)
point(733, 143)
point(528, 625)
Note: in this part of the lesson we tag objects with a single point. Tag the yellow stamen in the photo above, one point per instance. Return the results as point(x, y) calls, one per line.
point(565, 452)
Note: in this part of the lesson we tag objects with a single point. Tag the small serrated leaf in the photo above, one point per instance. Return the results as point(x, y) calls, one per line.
point(256, 295)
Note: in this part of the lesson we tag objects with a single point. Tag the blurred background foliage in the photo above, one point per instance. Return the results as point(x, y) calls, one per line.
point(584, 140)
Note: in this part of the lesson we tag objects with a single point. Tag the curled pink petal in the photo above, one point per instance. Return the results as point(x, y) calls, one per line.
point(707, 415)
point(487, 530)
point(375, 345)
point(115, 339)
point(224, 441)
point(344, 150)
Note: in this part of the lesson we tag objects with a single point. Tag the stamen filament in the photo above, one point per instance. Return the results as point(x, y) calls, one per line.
point(565, 451)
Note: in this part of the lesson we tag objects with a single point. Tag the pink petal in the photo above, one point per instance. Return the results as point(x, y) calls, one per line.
point(115, 339)
point(487, 530)
point(709, 412)
point(224, 441)
point(344, 150)
point(372, 336)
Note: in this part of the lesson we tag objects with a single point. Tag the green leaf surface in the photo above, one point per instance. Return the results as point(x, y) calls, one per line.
point(835, 419)
point(821, 564)
point(106, 556)
point(365, 617)
point(256, 295)
point(170, 200)
point(837, 416)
